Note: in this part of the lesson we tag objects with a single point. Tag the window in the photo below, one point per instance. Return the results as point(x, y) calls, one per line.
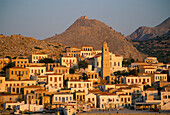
point(128, 99)
point(59, 98)
point(121, 99)
point(12, 72)
point(56, 98)
point(59, 78)
point(70, 98)
point(26, 72)
point(113, 99)
point(0, 81)
point(147, 80)
point(22, 72)
point(128, 80)
point(118, 63)
point(67, 98)
point(102, 99)
point(41, 70)
point(55, 79)
point(50, 78)
point(13, 89)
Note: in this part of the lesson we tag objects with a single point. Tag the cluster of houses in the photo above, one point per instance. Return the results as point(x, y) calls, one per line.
point(35, 86)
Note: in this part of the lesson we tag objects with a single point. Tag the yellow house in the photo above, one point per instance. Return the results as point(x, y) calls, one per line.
point(125, 100)
point(3, 62)
point(81, 96)
point(72, 76)
point(8, 98)
point(72, 51)
point(17, 73)
point(151, 60)
point(50, 66)
point(61, 70)
point(158, 77)
point(2, 84)
point(21, 62)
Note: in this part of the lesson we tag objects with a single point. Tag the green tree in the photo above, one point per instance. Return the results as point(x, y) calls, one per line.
point(19, 99)
point(95, 83)
point(72, 70)
point(82, 64)
point(146, 87)
point(85, 77)
point(8, 57)
point(9, 65)
point(47, 60)
point(133, 72)
point(116, 81)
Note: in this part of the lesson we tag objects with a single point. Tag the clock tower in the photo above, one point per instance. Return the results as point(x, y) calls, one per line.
point(105, 69)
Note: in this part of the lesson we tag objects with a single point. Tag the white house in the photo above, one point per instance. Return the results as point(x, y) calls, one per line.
point(80, 85)
point(55, 80)
point(35, 58)
point(108, 100)
point(68, 61)
point(62, 98)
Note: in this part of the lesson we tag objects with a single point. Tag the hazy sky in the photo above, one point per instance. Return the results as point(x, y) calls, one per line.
point(45, 18)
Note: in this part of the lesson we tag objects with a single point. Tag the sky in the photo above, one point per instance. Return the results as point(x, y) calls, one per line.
point(45, 18)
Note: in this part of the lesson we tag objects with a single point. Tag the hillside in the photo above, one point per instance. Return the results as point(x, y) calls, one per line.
point(16, 45)
point(145, 33)
point(158, 47)
point(92, 32)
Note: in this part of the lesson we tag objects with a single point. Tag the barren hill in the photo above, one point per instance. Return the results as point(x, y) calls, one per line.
point(92, 32)
point(16, 45)
point(145, 33)
point(158, 46)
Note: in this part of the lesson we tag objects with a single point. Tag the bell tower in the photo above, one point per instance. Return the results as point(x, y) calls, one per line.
point(105, 69)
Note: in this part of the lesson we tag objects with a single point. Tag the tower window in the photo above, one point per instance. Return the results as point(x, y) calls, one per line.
point(105, 49)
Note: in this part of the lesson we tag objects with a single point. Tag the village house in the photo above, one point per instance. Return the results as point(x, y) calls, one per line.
point(125, 100)
point(158, 77)
point(36, 70)
point(61, 70)
point(2, 84)
point(50, 66)
point(106, 100)
point(68, 61)
point(61, 98)
point(165, 98)
point(3, 62)
point(35, 58)
point(4, 98)
point(55, 80)
point(135, 65)
point(142, 79)
point(80, 85)
point(18, 73)
point(21, 62)
point(151, 60)
point(92, 99)
point(72, 76)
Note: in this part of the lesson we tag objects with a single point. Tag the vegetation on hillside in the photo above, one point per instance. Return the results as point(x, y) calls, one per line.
point(158, 47)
